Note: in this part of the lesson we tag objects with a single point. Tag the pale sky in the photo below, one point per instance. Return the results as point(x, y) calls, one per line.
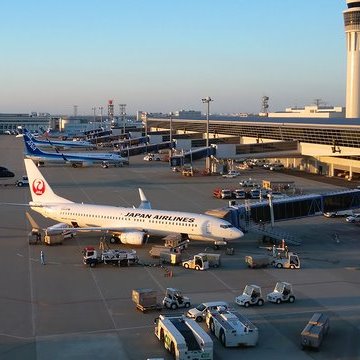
point(164, 55)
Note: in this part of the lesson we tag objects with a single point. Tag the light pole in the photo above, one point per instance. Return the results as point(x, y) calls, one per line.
point(207, 101)
point(101, 114)
point(171, 115)
point(94, 110)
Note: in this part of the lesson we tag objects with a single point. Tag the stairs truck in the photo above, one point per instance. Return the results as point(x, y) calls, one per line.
point(231, 328)
point(92, 257)
point(184, 338)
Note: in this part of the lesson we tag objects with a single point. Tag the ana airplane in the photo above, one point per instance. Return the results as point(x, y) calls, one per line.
point(128, 225)
point(59, 144)
point(74, 159)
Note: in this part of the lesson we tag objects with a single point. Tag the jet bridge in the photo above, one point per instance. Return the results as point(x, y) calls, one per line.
point(257, 216)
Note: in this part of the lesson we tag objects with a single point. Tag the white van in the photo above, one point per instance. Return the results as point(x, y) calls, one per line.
point(199, 313)
point(348, 212)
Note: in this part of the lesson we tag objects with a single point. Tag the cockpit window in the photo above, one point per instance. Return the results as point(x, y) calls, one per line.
point(226, 226)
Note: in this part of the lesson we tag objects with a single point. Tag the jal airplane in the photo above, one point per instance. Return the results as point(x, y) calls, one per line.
point(127, 225)
point(59, 144)
point(74, 159)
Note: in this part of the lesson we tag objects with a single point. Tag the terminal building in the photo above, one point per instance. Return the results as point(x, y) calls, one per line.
point(9, 123)
point(328, 146)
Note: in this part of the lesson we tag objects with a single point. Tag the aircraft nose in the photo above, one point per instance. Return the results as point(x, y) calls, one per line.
point(237, 233)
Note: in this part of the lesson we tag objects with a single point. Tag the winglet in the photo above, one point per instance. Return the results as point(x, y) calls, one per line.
point(145, 203)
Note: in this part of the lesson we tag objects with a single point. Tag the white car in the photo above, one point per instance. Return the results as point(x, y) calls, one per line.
point(199, 313)
point(152, 157)
point(249, 183)
point(332, 214)
point(231, 174)
point(353, 218)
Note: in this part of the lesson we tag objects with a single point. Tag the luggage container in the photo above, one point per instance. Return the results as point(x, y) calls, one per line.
point(314, 331)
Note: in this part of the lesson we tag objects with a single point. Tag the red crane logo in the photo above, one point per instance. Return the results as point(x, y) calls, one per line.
point(38, 186)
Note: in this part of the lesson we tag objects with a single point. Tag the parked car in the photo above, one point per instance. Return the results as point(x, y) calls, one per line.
point(152, 157)
point(231, 174)
point(353, 218)
point(332, 214)
point(276, 167)
point(248, 183)
point(255, 193)
point(24, 181)
point(239, 194)
point(199, 312)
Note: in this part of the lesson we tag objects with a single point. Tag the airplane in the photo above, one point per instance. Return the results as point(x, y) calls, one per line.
point(74, 159)
point(126, 225)
point(59, 144)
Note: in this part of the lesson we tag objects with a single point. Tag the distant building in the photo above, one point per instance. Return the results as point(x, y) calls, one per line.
point(32, 121)
point(188, 114)
point(312, 111)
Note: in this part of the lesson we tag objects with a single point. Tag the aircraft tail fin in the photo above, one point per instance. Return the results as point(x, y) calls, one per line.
point(145, 203)
point(41, 192)
point(30, 145)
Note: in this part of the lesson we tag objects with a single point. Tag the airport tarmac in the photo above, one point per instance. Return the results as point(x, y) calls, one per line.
point(64, 310)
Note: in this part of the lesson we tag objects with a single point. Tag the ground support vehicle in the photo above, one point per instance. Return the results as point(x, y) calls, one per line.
point(184, 338)
point(171, 246)
point(251, 296)
point(174, 299)
point(314, 331)
point(152, 157)
point(199, 313)
point(56, 238)
point(145, 299)
point(24, 181)
point(156, 250)
point(231, 328)
point(198, 262)
point(92, 257)
point(292, 261)
point(257, 261)
point(231, 174)
point(239, 194)
point(213, 259)
point(170, 258)
point(34, 237)
point(282, 293)
point(222, 193)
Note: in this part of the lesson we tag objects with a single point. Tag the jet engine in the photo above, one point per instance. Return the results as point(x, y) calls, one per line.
point(133, 237)
point(60, 229)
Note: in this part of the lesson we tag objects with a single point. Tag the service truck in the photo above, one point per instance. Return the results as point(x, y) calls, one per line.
point(92, 257)
point(184, 338)
point(231, 328)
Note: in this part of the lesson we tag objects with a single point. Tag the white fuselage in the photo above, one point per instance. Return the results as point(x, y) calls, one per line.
point(150, 221)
